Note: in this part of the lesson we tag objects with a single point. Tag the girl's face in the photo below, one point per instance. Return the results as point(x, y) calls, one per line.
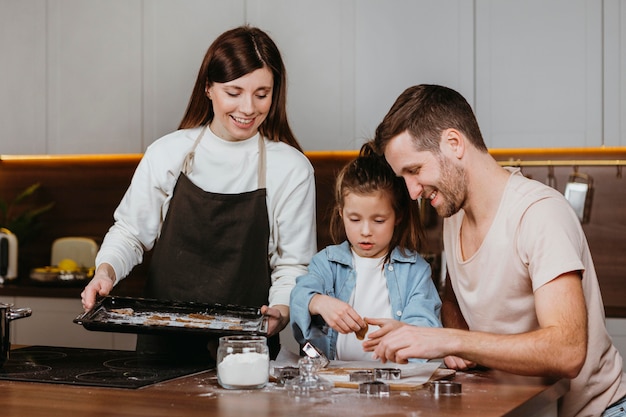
point(369, 220)
point(241, 105)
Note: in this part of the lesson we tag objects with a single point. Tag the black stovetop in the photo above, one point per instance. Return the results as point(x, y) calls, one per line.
point(92, 367)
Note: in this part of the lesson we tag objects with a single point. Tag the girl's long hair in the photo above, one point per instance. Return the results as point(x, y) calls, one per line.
point(369, 173)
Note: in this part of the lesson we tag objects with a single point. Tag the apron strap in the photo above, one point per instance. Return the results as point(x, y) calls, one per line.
point(261, 171)
point(188, 162)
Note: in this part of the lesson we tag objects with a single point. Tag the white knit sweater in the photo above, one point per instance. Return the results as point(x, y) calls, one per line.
point(221, 167)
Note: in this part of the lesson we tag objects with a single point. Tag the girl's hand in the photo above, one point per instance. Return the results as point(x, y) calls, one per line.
point(278, 318)
point(386, 325)
point(337, 314)
point(101, 284)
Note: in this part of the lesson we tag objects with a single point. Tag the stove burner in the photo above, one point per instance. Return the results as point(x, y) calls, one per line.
point(35, 355)
point(116, 376)
point(93, 367)
point(138, 363)
point(12, 369)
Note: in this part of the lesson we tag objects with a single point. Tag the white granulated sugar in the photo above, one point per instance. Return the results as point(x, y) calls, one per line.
point(244, 369)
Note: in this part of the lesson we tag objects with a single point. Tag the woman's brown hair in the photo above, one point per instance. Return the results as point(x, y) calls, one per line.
point(232, 55)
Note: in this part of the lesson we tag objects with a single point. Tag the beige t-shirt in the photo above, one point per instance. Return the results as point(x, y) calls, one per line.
point(535, 237)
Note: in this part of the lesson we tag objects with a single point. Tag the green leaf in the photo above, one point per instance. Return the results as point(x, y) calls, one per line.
point(26, 193)
point(24, 224)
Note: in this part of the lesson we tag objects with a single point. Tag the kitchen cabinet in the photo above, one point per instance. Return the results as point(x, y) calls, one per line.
point(114, 76)
point(617, 330)
point(111, 77)
point(614, 70)
point(51, 324)
point(23, 77)
point(99, 76)
point(344, 75)
point(176, 36)
point(539, 72)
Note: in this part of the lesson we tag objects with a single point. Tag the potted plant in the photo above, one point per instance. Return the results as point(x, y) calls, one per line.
point(21, 216)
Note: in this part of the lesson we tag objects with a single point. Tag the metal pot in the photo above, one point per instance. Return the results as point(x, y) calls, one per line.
point(7, 313)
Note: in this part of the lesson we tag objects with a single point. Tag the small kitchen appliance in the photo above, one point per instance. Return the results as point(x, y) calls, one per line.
point(8, 256)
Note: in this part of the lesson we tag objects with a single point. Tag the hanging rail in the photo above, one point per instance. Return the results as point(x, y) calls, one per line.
point(538, 157)
point(564, 162)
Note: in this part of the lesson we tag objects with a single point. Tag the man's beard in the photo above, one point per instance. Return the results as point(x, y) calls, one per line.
point(452, 188)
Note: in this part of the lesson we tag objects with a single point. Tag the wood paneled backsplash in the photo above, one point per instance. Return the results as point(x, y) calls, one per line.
point(87, 189)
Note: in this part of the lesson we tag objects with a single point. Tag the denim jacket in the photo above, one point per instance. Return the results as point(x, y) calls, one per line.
point(412, 293)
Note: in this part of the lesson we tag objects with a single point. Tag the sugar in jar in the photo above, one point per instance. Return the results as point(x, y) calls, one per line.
point(243, 362)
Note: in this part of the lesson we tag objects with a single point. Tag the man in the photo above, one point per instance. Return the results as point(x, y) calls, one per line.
point(522, 294)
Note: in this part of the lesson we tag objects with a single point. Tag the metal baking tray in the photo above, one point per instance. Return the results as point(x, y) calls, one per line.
point(143, 315)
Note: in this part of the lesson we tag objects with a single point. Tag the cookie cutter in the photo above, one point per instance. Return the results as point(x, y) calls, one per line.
point(445, 388)
point(391, 374)
point(374, 388)
point(362, 376)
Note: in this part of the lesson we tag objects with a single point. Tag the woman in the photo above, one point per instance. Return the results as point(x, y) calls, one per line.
point(227, 202)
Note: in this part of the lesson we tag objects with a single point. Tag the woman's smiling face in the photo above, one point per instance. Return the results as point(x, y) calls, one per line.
point(241, 105)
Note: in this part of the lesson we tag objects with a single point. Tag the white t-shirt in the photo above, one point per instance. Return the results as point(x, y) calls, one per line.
point(534, 238)
point(370, 298)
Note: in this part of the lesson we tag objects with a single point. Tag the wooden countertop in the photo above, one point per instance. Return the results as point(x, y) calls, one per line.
point(485, 393)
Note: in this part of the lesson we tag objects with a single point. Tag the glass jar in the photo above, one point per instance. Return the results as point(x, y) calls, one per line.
point(243, 362)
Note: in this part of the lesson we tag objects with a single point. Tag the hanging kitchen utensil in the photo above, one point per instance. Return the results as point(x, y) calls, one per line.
point(551, 179)
point(579, 193)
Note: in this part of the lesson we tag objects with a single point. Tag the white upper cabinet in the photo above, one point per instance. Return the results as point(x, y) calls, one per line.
point(176, 37)
point(539, 73)
point(347, 61)
point(102, 76)
point(614, 73)
point(405, 43)
point(94, 53)
point(22, 77)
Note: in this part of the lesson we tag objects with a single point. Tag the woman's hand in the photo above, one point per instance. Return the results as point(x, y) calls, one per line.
point(278, 318)
point(337, 314)
point(101, 284)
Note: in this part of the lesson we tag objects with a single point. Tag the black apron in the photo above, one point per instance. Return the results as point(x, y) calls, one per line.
point(213, 248)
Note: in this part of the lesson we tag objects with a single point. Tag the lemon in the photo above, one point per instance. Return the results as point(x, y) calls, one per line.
point(68, 265)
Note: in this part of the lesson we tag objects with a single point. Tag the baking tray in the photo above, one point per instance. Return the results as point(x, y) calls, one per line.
point(143, 315)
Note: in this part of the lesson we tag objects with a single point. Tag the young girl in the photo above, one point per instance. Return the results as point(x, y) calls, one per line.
point(377, 272)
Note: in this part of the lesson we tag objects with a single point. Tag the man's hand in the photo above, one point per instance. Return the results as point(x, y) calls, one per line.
point(386, 326)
